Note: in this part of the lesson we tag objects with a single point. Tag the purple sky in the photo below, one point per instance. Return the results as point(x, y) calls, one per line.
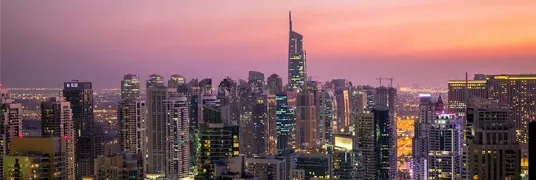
point(45, 43)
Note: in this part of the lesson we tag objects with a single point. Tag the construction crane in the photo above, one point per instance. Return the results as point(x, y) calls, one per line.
point(390, 79)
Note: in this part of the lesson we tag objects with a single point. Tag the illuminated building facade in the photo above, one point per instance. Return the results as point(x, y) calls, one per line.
point(420, 138)
point(11, 122)
point(126, 166)
point(57, 122)
point(259, 125)
point(457, 95)
point(89, 142)
point(297, 62)
point(130, 87)
point(444, 156)
point(175, 81)
point(131, 127)
point(493, 150)
point(270, 126)
point(219, 141)
point(365, 132)
point(35, 158)
point(285, 123)
point(327, 115)
point(345, 157)
point(158, 128)
point(155, 80)
point(385, 142)
point(177, 147)
point(343, 109)
point(275, 84)
point(314, 165)
point(306, 124)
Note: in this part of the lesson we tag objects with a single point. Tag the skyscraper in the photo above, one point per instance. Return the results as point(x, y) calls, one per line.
point(131, 127)
point(306, 124)
point(158, 128)
point(365, 132)
point(494, 152)
point(130, 87)
point(285, 122)
point(345, 155)
point(256, 80)
point(259, 122)
point(88, 139)
point(176, 138)
point(176, 80)
point(385, 147)
point(459, 92)
point(57, 122)
point(297, 62)
point(444, 155)
point(343, 109)
point(126, 166)
point(275, 84)
point(270, 126)
point(327, 115)
point(11, 122)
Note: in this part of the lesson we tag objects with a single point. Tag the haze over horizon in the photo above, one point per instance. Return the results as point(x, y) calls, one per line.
point(44, 43)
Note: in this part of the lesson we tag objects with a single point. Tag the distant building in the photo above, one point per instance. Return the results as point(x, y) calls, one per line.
point(130, 87)
point(256, 80)
point(57, 122)
point(327, 114)
point(275, 84)
point(155, 80)
point(343, 109)
point(457, 95)
point(35, 158)
point(176, 80)
point(126, 166)
point(297, 62)
point(365, 132)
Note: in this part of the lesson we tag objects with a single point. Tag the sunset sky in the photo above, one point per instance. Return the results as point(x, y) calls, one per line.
point(427, 42)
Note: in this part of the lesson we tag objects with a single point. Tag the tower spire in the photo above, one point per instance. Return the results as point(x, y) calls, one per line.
point(290, 19)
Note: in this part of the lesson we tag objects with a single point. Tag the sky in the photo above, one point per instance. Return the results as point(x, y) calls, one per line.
point(426, 42)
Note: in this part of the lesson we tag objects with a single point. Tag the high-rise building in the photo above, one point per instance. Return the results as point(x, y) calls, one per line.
point(385, 145)
point(131, 128)
point(89, 142)
point(256, 80)
point(365, 132)
point(205, 86)
point(130, 87)
point(297, 62)
point(219, 140)
point(343, 109)
point(126, 166)
point(285, 123)
point(267, 168)
point(158, 128)
point(270, 126)
point(358, 101)
point(35, 158)
point(532, 149)
point(493, 150)
point(459, 91)
point(155, 80)
point(177, 146)
point(387, 96)
point(444, 156)
point(258, 125)
point(11, 122)
point(57, 122)
point(306, 124)
point(275, 84)
point(176, 80)
point(345, 155)
point(420, 138)
point(327, 114)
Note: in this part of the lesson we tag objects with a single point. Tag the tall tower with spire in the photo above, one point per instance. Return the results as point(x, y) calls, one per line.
point(297, 71)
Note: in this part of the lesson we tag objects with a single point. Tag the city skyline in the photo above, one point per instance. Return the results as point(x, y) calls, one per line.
point(359, 41)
